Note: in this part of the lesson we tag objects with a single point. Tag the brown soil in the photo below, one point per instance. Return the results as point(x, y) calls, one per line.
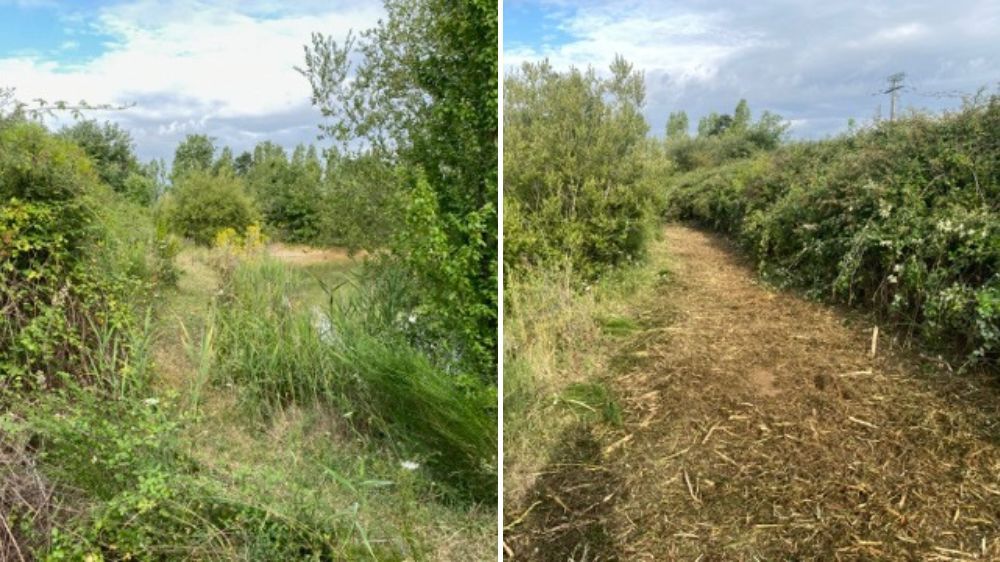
point(306, 255)
point(758, 426)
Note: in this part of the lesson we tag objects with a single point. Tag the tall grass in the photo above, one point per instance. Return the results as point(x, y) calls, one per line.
point(559, 337)
point(356, 355)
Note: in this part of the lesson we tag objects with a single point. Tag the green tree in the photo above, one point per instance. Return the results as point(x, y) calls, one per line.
point(741, 117)
point(714, 125)
point(267, 178)
point(677, 125)
point(424, 96)
point(243, 163)
point(196, 152)
point(573, 167)
point(109, 147)
point(225, 163)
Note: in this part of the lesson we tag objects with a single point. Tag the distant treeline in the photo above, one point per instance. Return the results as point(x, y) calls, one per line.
point(298, 197)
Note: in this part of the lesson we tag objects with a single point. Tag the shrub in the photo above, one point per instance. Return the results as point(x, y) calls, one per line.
point(71, 276)
point(573, 147)
point(137, 494)
point(201, 204)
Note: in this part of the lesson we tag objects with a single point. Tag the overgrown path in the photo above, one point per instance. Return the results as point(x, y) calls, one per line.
point(759, 426)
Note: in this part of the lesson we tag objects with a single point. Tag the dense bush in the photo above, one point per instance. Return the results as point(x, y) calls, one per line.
point(110, 149)
point(574, 164)
point(135, 492)
point(200, 204)
point(901, 218)
point(71, 274)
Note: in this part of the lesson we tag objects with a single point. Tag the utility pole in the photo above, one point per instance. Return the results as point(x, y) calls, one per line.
point(895, 85)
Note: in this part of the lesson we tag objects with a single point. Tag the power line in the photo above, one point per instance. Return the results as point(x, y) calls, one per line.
point(895, 85)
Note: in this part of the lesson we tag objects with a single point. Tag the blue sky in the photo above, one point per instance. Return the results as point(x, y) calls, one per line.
point(817, 64)
point(40, 30)
point(219, 67)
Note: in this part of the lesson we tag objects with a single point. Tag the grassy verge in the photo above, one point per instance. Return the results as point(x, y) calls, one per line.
point(560, 339)
point(209, 459)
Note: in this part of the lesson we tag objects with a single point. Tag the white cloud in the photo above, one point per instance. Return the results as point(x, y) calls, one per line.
point(818, 64)
point(187, 63)
point(686, 45)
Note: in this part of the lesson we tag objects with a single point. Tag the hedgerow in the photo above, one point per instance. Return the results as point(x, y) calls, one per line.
point(70, 272)
point(901, 218)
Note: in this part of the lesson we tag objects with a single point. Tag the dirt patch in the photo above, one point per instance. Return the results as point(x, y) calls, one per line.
point(763, 381)
point(757, 426)
point(308, 255)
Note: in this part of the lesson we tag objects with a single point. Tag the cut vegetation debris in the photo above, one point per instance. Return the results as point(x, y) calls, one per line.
point(898, 461)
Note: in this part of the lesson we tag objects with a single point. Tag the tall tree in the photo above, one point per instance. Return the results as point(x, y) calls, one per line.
point(109, 147)
point(677, 125)
point(741, 116)
point(225, 163)
point(195, 152)
point(243, 163)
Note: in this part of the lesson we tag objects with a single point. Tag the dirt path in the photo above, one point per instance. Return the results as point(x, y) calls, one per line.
point(298, 254)
point(759, 427)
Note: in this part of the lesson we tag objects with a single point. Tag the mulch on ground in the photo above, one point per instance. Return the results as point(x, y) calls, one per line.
point(760, 426)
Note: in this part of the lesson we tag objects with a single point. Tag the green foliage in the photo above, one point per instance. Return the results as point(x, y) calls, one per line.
point(201, 204)
point(243, 163)
point(899, 218)
point(677, 125)
point(111, 150)
point(364, 354)
point(574, 166)
point(194, 153)
point(365, 194)
point(722, 138)
point(144, 498)
point(71, 277)
point(424, 98)
point(295, 202)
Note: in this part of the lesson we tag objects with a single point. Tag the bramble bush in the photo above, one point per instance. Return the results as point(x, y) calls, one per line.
point(900, 218)
point(71, 273)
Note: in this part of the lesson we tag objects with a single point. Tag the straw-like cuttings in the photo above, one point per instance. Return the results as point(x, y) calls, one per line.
point(760, 426)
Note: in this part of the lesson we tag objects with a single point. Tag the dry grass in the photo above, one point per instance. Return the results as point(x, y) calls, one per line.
point(553, 339)
point(298, 254)
point(26, 502)
point(759, 427)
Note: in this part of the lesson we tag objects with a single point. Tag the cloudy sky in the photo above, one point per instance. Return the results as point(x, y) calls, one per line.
point(815, 63)
point(221, 67)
